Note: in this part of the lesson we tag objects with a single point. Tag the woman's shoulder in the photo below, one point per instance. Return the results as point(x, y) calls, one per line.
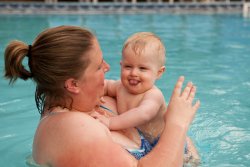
point(72, 122)
point(80, 127)
point(67, 132)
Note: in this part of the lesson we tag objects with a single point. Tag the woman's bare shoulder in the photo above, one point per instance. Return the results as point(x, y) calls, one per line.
point(61, 121)
point(76, 139)
point(74, 124)
point(62, 133)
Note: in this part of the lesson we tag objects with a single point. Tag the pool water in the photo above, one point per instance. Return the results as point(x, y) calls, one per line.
point(211, 50)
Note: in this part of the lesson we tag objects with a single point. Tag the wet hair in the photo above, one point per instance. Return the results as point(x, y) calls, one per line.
point(56, 55)
point(139, 41)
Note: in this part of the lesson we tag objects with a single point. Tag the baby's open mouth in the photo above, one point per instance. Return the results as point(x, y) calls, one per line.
point(133, 82)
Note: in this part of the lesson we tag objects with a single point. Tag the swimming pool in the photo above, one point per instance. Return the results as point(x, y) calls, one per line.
point(211, 50)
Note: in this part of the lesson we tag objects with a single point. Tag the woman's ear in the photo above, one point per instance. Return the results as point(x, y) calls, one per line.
point(71, 85)
point(161, 71)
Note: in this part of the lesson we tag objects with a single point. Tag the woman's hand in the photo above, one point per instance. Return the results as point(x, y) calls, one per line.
point(180, 109)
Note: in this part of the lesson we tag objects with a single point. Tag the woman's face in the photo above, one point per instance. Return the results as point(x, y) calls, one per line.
point(92, 81)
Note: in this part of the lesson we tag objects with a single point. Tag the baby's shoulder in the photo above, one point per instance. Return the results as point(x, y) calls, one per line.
point(154, 94)
point(154, 91)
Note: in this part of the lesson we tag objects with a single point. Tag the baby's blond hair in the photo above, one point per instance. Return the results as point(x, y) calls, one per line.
point(139, 41)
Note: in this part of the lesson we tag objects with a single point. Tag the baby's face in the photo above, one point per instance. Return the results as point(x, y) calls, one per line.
point(139, 72)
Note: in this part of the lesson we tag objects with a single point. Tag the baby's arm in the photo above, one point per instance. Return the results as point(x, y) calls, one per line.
point(146, 111)
point(110, 87)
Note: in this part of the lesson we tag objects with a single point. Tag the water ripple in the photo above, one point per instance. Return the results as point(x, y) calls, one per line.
point(10, 102)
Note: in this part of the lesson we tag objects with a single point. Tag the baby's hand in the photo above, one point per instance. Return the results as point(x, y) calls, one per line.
point(104, 120)
point(102, 100)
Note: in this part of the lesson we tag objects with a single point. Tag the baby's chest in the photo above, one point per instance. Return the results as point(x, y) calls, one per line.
point(127, 101)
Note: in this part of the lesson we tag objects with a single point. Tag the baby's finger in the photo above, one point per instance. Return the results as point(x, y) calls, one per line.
point(187, 90)
point(192, 94)
point(102, 100)
point(178, 86)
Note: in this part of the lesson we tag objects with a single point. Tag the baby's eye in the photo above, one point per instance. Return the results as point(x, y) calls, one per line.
point(128, 66)
point(142, 68)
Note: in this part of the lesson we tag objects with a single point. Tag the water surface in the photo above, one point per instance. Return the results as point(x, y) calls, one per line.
point(211, 50)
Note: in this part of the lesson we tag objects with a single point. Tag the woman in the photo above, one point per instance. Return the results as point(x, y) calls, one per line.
point(67, 65)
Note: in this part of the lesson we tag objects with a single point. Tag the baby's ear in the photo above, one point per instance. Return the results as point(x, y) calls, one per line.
point(161, 71)
point(71, 85)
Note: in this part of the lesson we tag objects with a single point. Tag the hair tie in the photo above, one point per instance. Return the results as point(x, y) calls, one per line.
point(29, 51)
point(29, 61)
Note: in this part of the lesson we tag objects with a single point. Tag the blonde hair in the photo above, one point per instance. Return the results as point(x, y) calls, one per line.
point(139, 41)
point(56, 55)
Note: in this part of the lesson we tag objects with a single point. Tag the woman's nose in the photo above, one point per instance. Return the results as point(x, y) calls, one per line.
point(106, 66)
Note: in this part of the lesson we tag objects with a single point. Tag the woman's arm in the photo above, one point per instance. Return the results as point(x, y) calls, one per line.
point(169, 150)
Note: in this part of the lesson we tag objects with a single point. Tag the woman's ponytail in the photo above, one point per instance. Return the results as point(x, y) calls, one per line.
point(14, 56)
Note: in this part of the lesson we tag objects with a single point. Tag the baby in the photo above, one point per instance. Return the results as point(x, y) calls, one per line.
point(139, 102)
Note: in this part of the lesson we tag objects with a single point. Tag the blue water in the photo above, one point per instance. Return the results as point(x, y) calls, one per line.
point(211, 50)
